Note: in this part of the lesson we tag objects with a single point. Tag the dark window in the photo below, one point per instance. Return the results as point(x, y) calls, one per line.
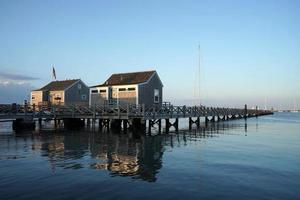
point(94, 91)
point(156, 96)
point(122, 89)
point(102, 91)
point(57, 98)
point(131, 89)
point(32, 97)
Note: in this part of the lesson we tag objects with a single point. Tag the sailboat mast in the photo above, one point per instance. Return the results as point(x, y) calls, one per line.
point(199, 74)
point(265, 103)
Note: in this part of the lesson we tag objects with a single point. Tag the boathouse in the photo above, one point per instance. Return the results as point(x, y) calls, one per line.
point(66, 92)
point(129, 88)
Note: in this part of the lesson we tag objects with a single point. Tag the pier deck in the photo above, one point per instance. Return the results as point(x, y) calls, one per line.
point(127, 113)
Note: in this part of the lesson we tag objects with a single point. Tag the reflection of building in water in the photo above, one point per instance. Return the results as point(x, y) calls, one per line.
point(62, 150)
point(120, 154)
point(125, 156)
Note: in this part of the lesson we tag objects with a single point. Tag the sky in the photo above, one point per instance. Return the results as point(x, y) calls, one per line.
point(249, 50)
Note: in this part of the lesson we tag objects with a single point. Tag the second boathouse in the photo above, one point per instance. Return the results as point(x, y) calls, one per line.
point(129, 88)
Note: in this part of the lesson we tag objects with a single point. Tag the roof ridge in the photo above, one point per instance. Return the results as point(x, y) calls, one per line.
point(134, 72)
point(58, 85)
point(128, 78)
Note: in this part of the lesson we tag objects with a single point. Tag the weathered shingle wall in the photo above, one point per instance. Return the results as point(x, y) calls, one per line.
point(146, 91)
point(74, 95)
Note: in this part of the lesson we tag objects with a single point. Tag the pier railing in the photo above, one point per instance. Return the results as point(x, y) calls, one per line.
point(127, 111)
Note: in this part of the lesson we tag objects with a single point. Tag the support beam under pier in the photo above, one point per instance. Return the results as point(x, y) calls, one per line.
point(20, 125)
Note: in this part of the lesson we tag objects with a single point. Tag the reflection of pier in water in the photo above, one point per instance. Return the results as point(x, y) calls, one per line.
point(139, 157)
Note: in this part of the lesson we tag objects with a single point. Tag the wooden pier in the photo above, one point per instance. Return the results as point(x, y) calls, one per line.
point(122, 117)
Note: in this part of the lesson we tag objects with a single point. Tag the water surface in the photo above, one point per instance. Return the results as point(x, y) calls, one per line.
point(257, 159)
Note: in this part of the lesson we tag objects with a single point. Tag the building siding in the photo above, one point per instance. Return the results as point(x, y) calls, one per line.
point(146, 91)
point(126, 97)
point(73, 95)
point(54, 94)
point(36, 97)
point(118, 97)
point(143, 93)
point(98, 98)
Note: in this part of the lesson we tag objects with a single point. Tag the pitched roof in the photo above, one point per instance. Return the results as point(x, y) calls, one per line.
point(58, 85)
point(128, 78)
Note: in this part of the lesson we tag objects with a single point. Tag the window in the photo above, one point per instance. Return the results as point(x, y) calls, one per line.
point(83, 97)
point(156, 96)
point(122, 89)
point(102, 91)
point(32, 97)
point(131, 89)
point(79, 86)
point(57, 97)
point(94, 91)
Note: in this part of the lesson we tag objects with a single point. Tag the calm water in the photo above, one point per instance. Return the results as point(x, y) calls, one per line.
point(231, 160)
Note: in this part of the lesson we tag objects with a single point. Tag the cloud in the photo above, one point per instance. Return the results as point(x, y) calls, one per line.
point(15, 88)
point(16, 77)
point(14, 92)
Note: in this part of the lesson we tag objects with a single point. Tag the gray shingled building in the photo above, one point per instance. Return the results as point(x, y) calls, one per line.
point(66, 92)
point(129, 88)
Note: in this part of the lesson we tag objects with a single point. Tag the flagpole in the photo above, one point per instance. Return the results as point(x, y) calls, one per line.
point(53, 73)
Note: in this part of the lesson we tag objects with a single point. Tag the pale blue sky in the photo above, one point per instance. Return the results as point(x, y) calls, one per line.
point(250, 49)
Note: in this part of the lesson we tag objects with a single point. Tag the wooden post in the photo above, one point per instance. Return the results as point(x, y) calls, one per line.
point(125, 126)
point(256, 111)
point(107, 125)
point(25, 107)
point(198, 122)
point(40, 123)
point(167, 125)
point(149, 126)
point(159, 126)
point(100, 124)
point(55, 123)
point(94, 111)
point(115, 125)
point(176, 124)
point(190, 123)
point(245, 111)
point(33, 107)
point(206, 121)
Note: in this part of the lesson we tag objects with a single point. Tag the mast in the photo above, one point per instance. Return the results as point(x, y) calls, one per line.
point(197, 83)
point(199, 74)
point(265, 103)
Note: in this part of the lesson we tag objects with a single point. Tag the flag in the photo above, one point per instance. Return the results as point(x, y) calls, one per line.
point(53, 73)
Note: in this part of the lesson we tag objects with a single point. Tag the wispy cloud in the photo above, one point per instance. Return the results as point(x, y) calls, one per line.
point(15, 87)
point(14, 92)
point(16, 77)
